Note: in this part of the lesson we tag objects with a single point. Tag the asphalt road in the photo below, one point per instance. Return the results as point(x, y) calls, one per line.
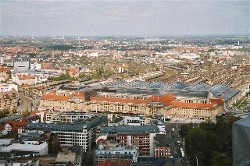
point(176, 144)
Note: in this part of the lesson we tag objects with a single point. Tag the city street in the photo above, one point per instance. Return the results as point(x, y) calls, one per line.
point(176, 144)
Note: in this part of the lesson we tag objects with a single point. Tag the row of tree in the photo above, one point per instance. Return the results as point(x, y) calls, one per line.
point(7, 112)
point(63, 76)
point(209, 143)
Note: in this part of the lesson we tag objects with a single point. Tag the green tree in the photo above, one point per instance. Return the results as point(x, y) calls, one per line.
point(25, 113)
point(54, 145)
point(13, 111)
point(219, 159)
point(63, 76)
point(210, 142)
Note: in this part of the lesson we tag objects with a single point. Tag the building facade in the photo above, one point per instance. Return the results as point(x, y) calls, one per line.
point(162, 146)
point(7, 87)
point(190, 105)
point(4, 73)
point(82, 133)
point(104, 153)
point(67, 98)
point(28, 142)
point(64, 116)
point(8, 100)
point(21, 63)
point(177, 100)
point(139, 136)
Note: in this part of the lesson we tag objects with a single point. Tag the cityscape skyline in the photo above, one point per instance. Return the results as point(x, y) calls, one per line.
point(124, 18)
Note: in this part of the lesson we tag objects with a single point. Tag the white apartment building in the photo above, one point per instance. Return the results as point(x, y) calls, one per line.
point(140, 136)
point(31, 142)
point(7, 87)
point(64, 117)
point(136, 120)
point(82, 133)
point(115, 153)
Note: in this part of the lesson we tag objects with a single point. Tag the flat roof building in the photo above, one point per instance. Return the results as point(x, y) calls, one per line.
point(140, 136)
point(81, 133)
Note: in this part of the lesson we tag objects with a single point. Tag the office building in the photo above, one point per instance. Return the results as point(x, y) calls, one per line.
point(68, 97)
point(21, 63)
point(80, 133)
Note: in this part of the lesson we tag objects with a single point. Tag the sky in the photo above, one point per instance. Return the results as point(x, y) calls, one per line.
point(124, 18)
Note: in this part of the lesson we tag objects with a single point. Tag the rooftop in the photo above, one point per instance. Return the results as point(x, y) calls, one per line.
point(72, 87)
point(76, 126)
point(199, 94)
point(3, 120)
point(65, 157)
point(130, 129)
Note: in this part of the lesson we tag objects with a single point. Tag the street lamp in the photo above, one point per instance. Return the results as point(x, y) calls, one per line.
point(197, 161)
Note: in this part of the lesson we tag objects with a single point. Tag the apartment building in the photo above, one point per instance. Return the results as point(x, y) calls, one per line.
point(24, 79)
point(64, 116)
point(130, 120)
point(162, 146)
point(139, 136)
point(177, 100)
point(194, 105)
point(8, 99)
point(67, 97)
point(16, 123)
point(172, 104)
point(80, 133)
point(4, 73)
point(7, 87)
point(134, 101)
point(105, 152)
point(32, 77)
point(27, 142)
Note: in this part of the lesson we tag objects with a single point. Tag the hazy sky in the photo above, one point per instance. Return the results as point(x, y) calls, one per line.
point(104, 18)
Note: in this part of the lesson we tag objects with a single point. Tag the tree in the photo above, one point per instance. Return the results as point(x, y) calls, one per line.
point(4, 113)
point(25, 113)
point(13, 111)
point(210, 142)
point(54, 145)
point(63, 76)
point(218, 159)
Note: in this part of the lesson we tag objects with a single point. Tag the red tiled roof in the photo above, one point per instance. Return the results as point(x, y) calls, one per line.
point(167, 99)
point(218, 101)
point(191, 105)
point(25, 77)
point(4, 69)
point(211, 105)
point(16, 124)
